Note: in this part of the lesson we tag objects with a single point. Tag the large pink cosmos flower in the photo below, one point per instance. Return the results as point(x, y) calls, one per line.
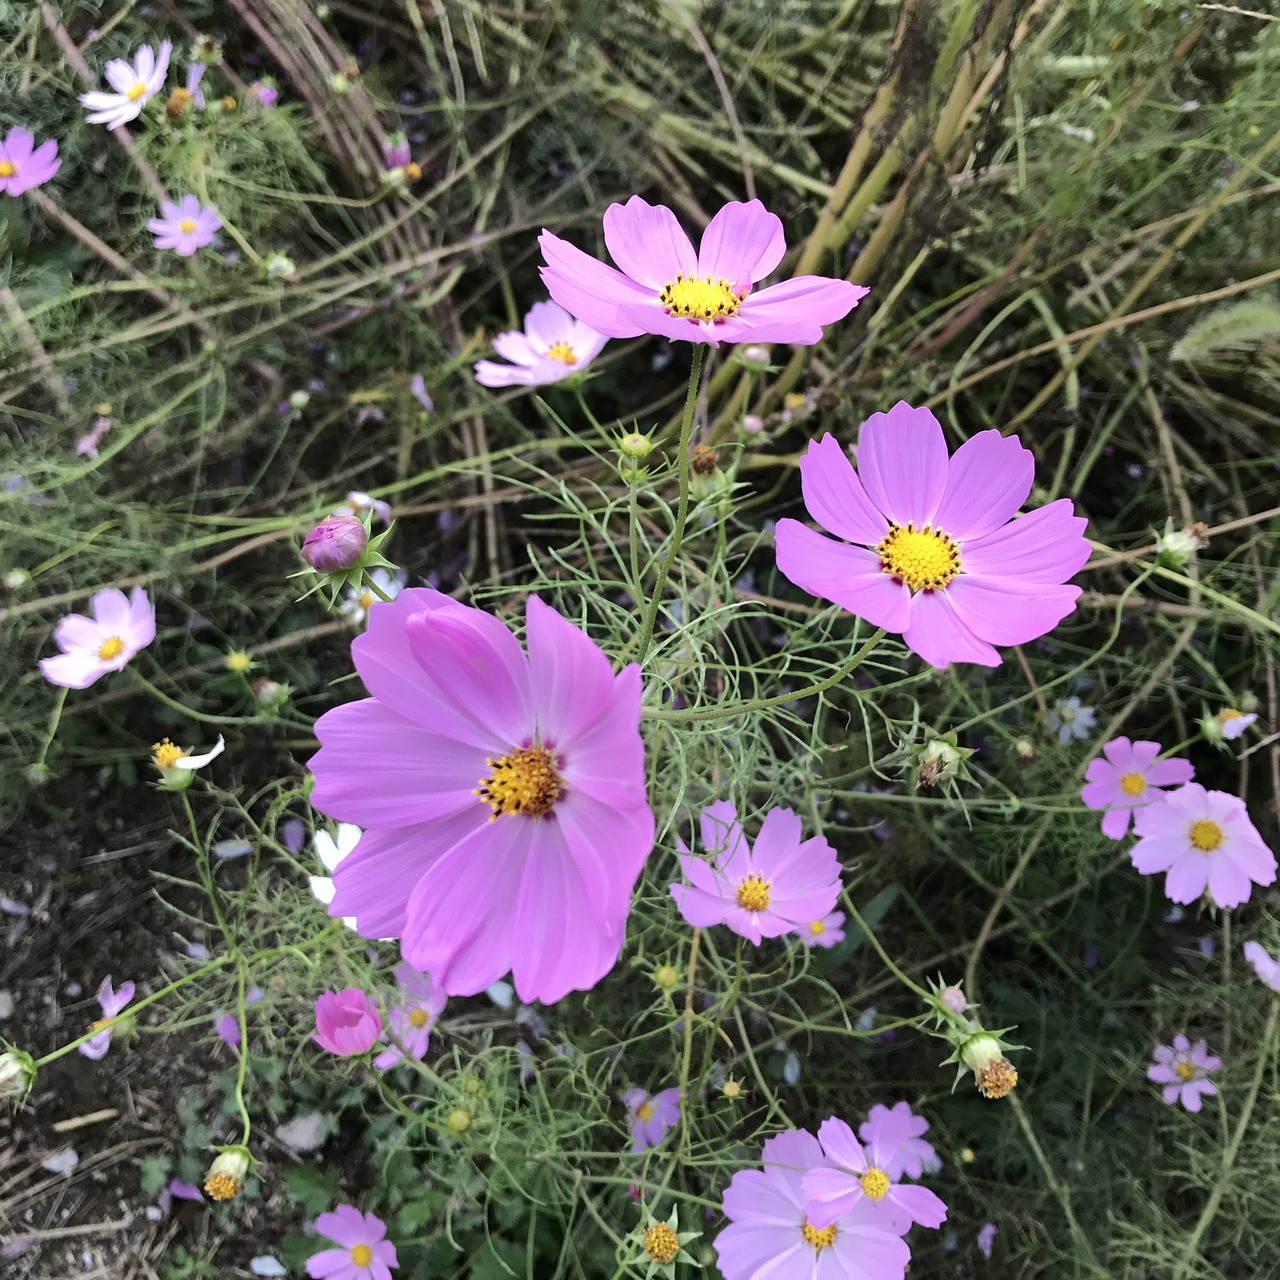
point(784, 883)
point(939, 556)
point(770, 1234)
point(23, 165)
point(502, 797)
point(93, 647)
point(667, 288)
point(1203, 839)
point(1183, 1069)
point(363, 1252)
point(552, 346)
point(912, 1153)
point(1129, 778)
point(857, 1178)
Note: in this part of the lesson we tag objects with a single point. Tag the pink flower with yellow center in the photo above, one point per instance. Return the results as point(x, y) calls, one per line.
point(93, 647)
point(1127, 777)
point(363, 1251)
point(932, 550)
point(552, 346)
point(668, 288)
point(420, 1002)
point(650, 1116)
point(23, 165)
point(1184, 1069)
point(184, 227)
point(824, 932)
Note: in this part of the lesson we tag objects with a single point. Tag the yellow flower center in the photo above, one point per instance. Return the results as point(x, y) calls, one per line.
point(523, 781)
point(135, 91)
point(186, 226)
point(820, 1239)
point(817, 928)
point(101, 1025)
point(112, 647)
point(412, 171)
point(998, 1079)
point(417, 1018)
point(366, 599)
point(7, 168)
point(875, 1184)
point(179, 101)
point(239, 661)
point(563, 352)
point(361, 1255)
point(922, 559)
point(221, 1186)
point(644, 1112)
point(691, 298)
point(166, 755)
point(1133, 784)
point(753, 893)
point(1184, 1071)
point(1205, 835)
point(1227, 713)
point(661, 1243)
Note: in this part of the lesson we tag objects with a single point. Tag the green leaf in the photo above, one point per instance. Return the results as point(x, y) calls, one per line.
point(313, 1189)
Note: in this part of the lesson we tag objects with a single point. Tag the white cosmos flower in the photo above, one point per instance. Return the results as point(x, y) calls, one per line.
point(176, 765)
point(356, 603)
point(331, 851)
point(134, 84)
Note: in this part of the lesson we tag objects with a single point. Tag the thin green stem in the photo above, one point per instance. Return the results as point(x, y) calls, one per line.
point(633, 537)
point(244, 1058)
point(373, 588)
point(178, 706)
point(687, 1055)
point(55, 718)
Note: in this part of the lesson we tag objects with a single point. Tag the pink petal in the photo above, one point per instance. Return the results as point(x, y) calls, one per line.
point(1119, 751)
point(610, 843)
point(73, 670)
point(779, 839)
point(1153, 854)
point(742, 242)
point(514, 346)
point(548, 323)
point(830, 1193)
point(795, 310)
point(1115, 823)
point(1170, 773)
point(1009, 612)
point(590, 290)
point(1046, 545)
point(902, 463)
point(570, 678)
point(920, 1204)
point(834, 496)
point(331, 1264)
point(120, 75)
point(647, 242)
point(344, 1226)
point(699, 908)
point(110, 609)
point(1187, 879)
point(989, 478)
point(940, 637)
point(606, 760)
point(490, 374)
point(75, 631)
point(1229, 883)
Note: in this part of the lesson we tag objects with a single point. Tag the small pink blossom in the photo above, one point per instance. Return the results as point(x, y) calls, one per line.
point(23, 165)
point(898, 1124)
point(1232, 723)
point(265, 95)
point(227, 1028)
point(1267, 969)
point(185, 226)
point(93, 647)
point(824, 932)
point(986, 1238)
point(650, 1116)
point(1204, 840)
point(347, 1023)
point(363, 1251)
point(87, 444)
point(111, 1002)
point(1127, 777)
point(419, 1004)
point(552, 346)
point(1183, 1069)
point(395, 151)
point(135, 84)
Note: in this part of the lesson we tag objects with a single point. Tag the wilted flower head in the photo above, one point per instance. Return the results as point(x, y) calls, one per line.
point(363, 1252)
point(111, 1003)
point(650, 1116)
point(226, 1174)
point(335, 545)
point(347, 1024)
point(993, 1073)
point(92, 647)
point(135, 84)
point(552, 346)
point(185, 226)
point(23, 165)
point(1127, 777)
point(1184, 1069)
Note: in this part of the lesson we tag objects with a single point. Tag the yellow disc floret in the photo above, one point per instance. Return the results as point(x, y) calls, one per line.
point(221, 1186)
point(817, 928)
point(753, 893)
point(135, 91)
point(644, 1112)
point(417, 1018)
point(186, 226)
point(524, 781)
point(1184, 1071)
point(922, 559)
point(1205, 836)
point(7, 168)
point(1133, 784)
point(661, 1243)
point(165, 755)
point(820, 1238)
point(563, 352)
point(691, 298)
point(998, 1079)
point(361, 1255)
point(875, 1184)
point(112, 647)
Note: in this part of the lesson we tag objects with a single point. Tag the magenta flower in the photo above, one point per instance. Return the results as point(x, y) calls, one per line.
point(92, 647)
point(502, 796)
point(265, 95)
point(825, 932)
point(23, 165)
point(667, 288)
point(856, 1178)
point(1267, 969)
point(111, 1003)
point(769, 1232)
point(1183, 1069)
point(886, 1125)
point(1203, 839)
point(552, 346)
point(986, 1238)
point(939, 557)
point(346, 1022)
point(395, 151)
point(650, 1116)
point(135, 84)
point(781, 885)
point(226, 1027)
point(335, 545)
point(185, 226)
point(363, 1251)
point(420, 1003)
point(1130, 777)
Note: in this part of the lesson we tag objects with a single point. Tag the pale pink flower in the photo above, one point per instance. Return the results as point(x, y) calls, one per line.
point(23, 165)
point(1204, 840)
point(937, 554)
point(1232, 723)
point(781, 885)
point(135, 84)
point(185, 226)
point(226, 1027)
point(346, 1022)
point(552, 346)
point(1128, 778)
point(93, 647)
point(111, 1002)
point(667, 288)
point(1183, 1069)
point(650, 1116)
point(826, 931)
point(419, 1003)
point(363, 1251)
point(885, 1125)
point(1267, 969)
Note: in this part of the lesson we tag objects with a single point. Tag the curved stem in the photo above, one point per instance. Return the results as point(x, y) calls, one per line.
point(376, 590)
point(178, 706)
point(244, 1058)
point(879, 950)
point(55, 718)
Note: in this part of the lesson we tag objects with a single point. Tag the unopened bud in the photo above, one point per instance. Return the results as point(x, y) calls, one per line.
point(754, 358)
point(458, 1120)
point(752, 424)
point(1024, 749)
point(227, 1173)
point(17, 1075)
point(298, 400)
point(335, 545)
point(635, 446)
point(666, 976)
point(954, 999)
point(339, 83)
point(279, 266)
point(269, 693)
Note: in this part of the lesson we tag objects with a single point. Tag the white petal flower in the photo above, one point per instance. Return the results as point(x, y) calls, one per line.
point(134, 84)
point(331, 852)
point(199, 762)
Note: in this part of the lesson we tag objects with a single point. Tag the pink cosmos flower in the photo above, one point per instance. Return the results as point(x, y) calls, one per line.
point(226, 1027)
point(363, 1251)
point(1130, 777)
point(1231, 723)
point(884, 1125)
point(265, 95)
point(1267, 969)
point(986, 1238)
point(185, 226)
point(420, 1003)
point(346, 1022)
point(92, 647)
point(667, 288)
point(1183, 1069)
point(502, 796)
point(134, 84)
point(552, 346)
point(1203, 839)
point(780, 886)
point(395, 151)
point(855, 1178)
point(770, 1234)
point(650, 1116)
point(23, 165)
point(825, 932)
point(938, 555)
point(111, 1003)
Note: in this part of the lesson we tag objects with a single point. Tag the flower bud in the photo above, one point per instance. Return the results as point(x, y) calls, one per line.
point(17, 1075)
point(755, 358)
point(954, 999)
point(1024, 749)
point(335, 545)
point(666, 976)
point(458, 1120)
point(298, 400)
point(270, 693)
point(993, 1073)
point(227, 1173)
point(339, 83)
point(752, 424)
point(635, 446)
point(279, 266)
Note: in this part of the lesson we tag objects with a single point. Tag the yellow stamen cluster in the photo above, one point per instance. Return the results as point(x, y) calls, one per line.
point(7, 168)
point(135, 91)
point(753, 893)
point(523, 781)
point(1228, 713)
point(563, 352)
point(923, 559)
point(661, 1243)
point(361, 1255)
point(875, 1184)
point(221, 1186)
point(644, 1112)
point(1133, 784)
point(817, 928)
point(1184, 1071)
point(411, 171)
point(417, 1018)
point(1205, 836)
point(691, 298)
point(165, 755)
point(112, 647)
point(821, 1239)
point(997, 1079)
point(187, 226)
point(179, 100)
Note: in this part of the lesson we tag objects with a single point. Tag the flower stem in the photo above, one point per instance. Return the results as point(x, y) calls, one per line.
point(55, 718)
point(161, 696)
point(880, 951)
point(682, 509)
point(687, 1055)
point(373, 587)
point(244, 1058)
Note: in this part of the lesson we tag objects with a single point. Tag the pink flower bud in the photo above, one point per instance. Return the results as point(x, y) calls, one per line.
point(335, 545)
point(346, 1022)
point(954, 999)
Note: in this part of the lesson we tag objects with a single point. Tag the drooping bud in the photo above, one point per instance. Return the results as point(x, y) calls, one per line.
point(993, 1073)
point(227, 1173)
point(17, 1075)
point(335, 545)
